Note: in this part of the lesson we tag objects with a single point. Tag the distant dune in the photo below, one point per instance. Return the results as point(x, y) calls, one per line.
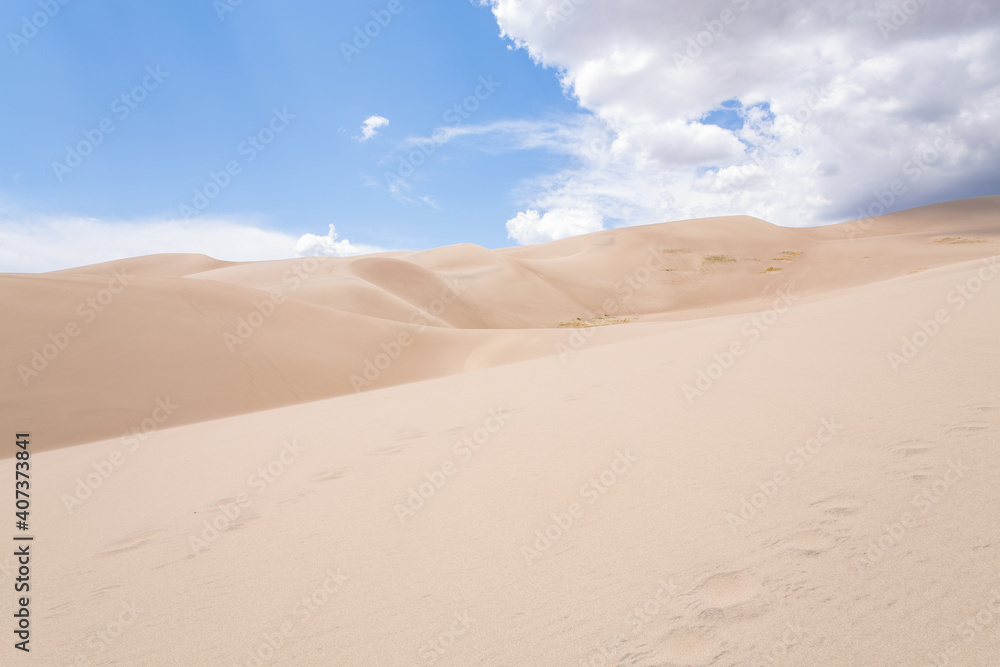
point(184, 325)
point(711, 442)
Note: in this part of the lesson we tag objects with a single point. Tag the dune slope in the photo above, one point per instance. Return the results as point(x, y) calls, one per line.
point(811, 501)
point(90, 351)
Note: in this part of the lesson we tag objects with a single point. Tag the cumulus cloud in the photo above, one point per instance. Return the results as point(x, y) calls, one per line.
point(31, 244)
point(329, 246)
point(801, 114)
point(530, 227)
point(371, 126)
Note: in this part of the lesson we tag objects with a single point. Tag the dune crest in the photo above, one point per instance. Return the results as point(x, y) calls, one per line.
point(268, 334)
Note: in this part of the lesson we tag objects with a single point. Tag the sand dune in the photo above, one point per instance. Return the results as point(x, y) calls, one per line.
point(223, 338)
point(795, 466)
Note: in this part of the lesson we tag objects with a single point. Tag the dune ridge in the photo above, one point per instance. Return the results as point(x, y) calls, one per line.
point(318, 324)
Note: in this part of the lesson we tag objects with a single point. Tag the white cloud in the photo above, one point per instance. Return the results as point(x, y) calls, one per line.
point(839, 99)
point(560, 133)
point(530, 227)
point(577, 136)
point(30, 244)
point(329, 246)
point(371, 126)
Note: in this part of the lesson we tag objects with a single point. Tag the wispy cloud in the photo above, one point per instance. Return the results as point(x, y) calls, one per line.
point(371, 126)
point(570, 134)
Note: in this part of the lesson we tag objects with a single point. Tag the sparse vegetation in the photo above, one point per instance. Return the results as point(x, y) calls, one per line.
point(718, 259)
point(955, 240)
point(603, 321)
point(771, 268)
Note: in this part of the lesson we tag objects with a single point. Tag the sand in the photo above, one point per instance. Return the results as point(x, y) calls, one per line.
point(635, 447)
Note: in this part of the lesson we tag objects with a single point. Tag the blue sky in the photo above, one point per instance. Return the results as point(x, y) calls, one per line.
point(224, 77)
point(587, 122)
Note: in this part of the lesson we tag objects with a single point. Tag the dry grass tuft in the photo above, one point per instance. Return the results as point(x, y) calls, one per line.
point(603, 321)
point(718, 259)
point(956, 240)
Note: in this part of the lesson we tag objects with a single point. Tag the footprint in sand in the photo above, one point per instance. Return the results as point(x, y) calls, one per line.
point(839, 505)
point(293, 499)
point(328, 475)
point(808, 543)
point(728, 589)
point(243, 523)
point(175, 562)
point(387, 451)
point(968, 428)
point(606, 383)
point(919, 475)
point(101, 592)
point(219, 504)
point(61, 610)
point(131, 542)
point(911, 448)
